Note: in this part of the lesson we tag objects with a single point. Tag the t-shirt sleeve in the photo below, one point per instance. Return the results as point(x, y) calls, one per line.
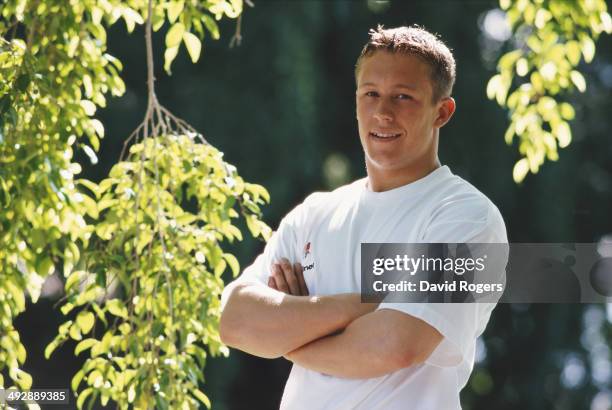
point(281, 245)
point(472, 220)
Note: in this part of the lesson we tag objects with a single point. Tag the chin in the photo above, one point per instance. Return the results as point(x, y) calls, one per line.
point(385, 164)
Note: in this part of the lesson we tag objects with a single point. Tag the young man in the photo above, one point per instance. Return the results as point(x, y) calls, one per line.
point(300, 299)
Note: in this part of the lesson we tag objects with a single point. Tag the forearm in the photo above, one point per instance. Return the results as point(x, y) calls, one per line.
point(373, 345)
point(269, 323)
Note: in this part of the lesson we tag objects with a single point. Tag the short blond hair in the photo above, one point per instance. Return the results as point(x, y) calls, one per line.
point(415, 40)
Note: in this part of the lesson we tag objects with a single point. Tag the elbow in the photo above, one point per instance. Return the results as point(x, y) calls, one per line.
point(226, 332)
point(237, 329)
point(402, 354)
point(398, 354)
point(238, 336)
point(406, 358)
point(230, 322)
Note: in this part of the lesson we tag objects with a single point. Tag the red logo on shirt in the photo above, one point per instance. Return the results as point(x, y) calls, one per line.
point(307, 250)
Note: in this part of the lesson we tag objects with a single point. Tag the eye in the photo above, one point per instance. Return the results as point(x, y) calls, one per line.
point(371, 94)
point(404, 97)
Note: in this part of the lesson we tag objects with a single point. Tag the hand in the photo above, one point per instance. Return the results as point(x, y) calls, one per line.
point(288, 278)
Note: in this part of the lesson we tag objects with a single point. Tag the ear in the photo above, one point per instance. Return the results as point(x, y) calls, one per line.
point(446, 109)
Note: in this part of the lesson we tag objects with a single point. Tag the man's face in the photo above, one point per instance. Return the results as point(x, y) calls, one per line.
point(397, 117)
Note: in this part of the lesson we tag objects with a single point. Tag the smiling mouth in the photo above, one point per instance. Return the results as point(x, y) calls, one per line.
point(384, 136)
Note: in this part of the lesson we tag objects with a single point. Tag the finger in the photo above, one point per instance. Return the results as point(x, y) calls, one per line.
point(272, 283)
point(290, 277)
point(299, 272)
point(279, 278)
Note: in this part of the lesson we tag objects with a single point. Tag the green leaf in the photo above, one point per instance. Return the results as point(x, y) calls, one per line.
point(492, 86)
point(98, 127)
point(253, 226)
point(93, 158)
point(567, 111)
point(23, 379)
point(259, 191)
point(144, 238)
point(91, 207)
point(75, 332)
point(588, 48)
point(85, 320)
point(104, 398)
point(548, 71)
point(159, 18)
point(21, 353)
point(232, 262)
point(174, 8)
point(520, 170)
point(67, 308)
point(212, 26)
point(131, 17)
point(76, 379)
point(522, 67)
point(84, 345)
point(131, 394)
point(193, 44)
point(537, 82)
point(45, 266)
point(17, 295)
point(266, 231)
point(73, 279)
point(88, 107)
point(82, 396)
point(175, 35)
point(92, 186)
point(34, 285)
point(169, 56)
point(88, 86)
point(50, 348)
point(220, 268)
point(573, 52)
point(563, 134)
point(99, 312)
point(231, 229)
point(117, 308)
point(95, 378)
point(578, 80)
point(94, 141)
point(508, 59)
point(509, 135)
point(125, 328)
point(114, 60)
point(202, 397)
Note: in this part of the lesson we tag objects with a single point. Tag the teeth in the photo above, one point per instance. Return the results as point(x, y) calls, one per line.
point(382, 135)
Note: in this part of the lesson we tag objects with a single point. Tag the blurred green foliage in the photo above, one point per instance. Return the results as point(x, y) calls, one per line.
point(550, 39)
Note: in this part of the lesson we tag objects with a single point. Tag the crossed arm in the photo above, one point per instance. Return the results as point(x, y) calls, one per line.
point(336, 334)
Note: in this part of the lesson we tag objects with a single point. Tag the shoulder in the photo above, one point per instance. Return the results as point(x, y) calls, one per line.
point(459, 205)
point(318, 204)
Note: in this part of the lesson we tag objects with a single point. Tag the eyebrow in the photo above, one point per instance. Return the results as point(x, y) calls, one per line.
point(399, 85)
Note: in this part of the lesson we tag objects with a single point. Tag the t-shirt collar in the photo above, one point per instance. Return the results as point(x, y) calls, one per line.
point(413, 188)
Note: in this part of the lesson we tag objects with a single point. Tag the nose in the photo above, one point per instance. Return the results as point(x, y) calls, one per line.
point(384, 112)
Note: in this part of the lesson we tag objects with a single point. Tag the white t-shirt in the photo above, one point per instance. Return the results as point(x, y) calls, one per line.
point(324, 234)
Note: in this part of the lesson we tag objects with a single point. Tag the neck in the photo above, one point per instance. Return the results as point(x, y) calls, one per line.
point(385, 180)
